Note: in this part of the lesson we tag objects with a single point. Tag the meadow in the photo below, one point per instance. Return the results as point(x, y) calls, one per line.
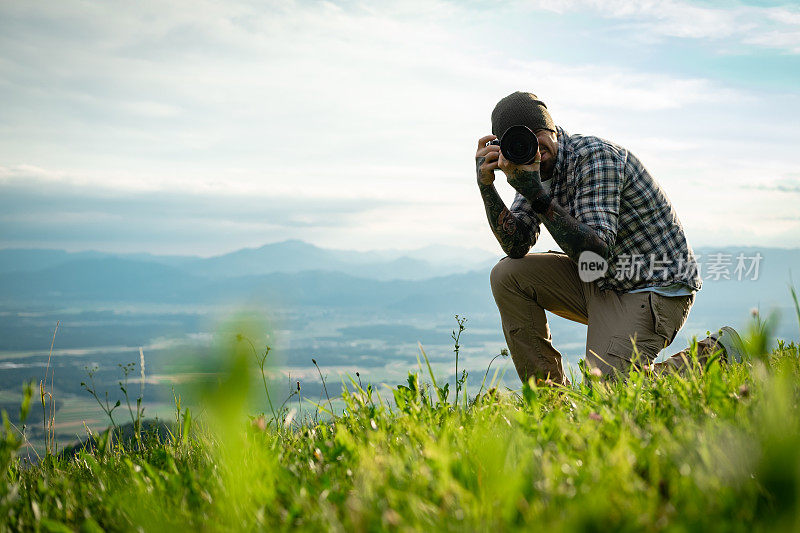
point(713, 449)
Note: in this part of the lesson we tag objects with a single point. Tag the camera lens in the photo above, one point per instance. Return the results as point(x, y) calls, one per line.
point(519, 145)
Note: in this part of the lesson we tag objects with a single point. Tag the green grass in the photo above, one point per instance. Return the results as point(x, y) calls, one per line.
point(716, 449)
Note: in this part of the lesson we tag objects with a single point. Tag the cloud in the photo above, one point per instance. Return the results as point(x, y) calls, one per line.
point(75, 216)
point(776, 27)
point(788, 183)
point(219, 124)
point(313, 99)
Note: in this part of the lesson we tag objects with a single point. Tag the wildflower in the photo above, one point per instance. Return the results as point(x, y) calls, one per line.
point(596, 372)
point(260, 423)
point(595, 416)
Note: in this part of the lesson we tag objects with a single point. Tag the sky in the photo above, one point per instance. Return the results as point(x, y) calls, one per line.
point(200, 127)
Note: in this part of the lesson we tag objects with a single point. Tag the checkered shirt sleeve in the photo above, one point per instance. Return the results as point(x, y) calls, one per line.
point(526, 217)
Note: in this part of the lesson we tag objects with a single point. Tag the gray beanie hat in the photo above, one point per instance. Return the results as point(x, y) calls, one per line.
point(521, 108)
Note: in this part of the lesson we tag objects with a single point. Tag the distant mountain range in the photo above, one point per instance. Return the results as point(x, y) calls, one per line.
point(296, 274)
point(290, 256)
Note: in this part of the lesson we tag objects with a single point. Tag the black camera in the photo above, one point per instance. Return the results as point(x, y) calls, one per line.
point(518, 144)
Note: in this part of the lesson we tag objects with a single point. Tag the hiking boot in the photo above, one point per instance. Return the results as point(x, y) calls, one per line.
point(731, 342)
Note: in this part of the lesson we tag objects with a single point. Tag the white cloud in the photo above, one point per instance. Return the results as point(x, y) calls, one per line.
point(364, 87)
point(783, 40)
point(775, 27)
point(372, 103)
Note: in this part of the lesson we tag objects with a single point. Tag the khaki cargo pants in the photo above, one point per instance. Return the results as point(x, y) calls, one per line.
point(524, 288)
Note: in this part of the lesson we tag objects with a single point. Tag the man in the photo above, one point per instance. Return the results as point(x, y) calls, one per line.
point(596, 199)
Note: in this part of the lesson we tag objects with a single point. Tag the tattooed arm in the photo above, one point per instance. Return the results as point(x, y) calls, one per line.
point(514, 236)
point(572, 235)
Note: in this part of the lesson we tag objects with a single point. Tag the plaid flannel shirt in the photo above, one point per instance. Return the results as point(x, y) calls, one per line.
point(607, 188)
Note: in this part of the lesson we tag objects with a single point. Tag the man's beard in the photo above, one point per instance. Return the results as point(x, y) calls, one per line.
point(546, 168)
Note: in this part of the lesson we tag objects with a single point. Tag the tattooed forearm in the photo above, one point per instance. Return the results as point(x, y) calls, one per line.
point(527, 183)
point(512, 236)
point(573, 236)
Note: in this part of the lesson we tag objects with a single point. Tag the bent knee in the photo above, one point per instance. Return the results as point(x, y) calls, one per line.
point(527, 270)
point(502, 272)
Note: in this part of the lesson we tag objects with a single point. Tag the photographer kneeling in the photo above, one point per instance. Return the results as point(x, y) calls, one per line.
point(638, 275)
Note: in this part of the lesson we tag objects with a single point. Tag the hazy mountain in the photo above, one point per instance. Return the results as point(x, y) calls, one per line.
point(443, 255)
point(298, 256)
point(105, 279)
point(288, 256)
point(297, 275)
point(27, 260)
point(119, 281)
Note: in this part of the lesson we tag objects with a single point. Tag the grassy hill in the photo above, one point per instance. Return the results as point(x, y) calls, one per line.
point(715, 449)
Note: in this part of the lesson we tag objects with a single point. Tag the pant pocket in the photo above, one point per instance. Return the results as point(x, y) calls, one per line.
point(620, 355)
point(669, 314)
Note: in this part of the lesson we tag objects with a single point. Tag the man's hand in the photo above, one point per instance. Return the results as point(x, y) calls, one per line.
point(524, 178)
point(515, 238)
point(486, 159)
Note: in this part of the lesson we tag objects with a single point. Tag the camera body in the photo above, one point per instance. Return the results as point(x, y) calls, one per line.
point(518, 144)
